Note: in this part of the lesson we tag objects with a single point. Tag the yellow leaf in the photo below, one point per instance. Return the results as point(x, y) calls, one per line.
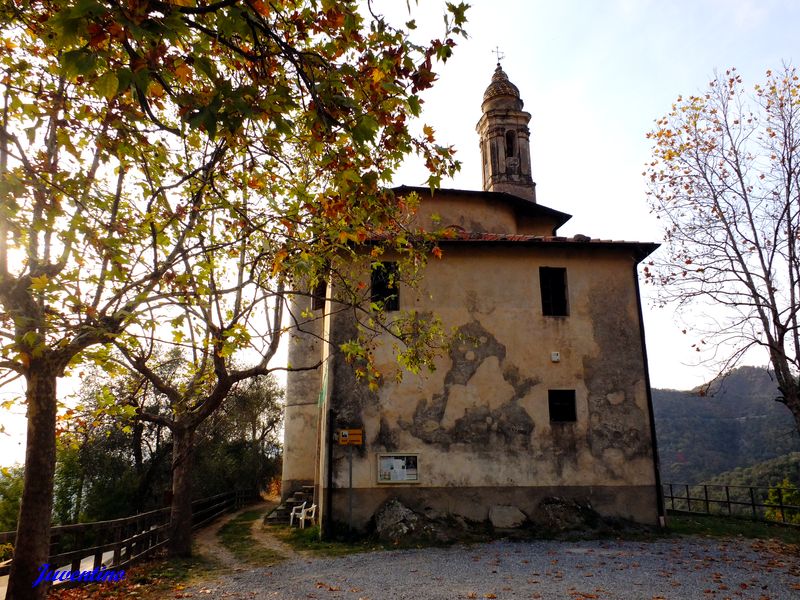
point(377, 75)
point(277, 264)
point(39, 283)
point(156, 90)
point(107, 85)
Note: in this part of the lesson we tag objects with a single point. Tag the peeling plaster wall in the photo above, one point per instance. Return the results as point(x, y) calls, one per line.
point(536, 226)
point(468, 212)
point(473, 213)
point(481, 420)
point(302, 395)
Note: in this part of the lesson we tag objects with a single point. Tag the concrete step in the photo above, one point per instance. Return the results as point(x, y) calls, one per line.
point(281, 514)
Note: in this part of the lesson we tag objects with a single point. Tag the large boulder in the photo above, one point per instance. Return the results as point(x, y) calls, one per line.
point(556, 515)
point(394, 521)
point(506, 517)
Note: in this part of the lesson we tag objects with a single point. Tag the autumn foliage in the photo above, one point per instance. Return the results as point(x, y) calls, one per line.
point(725, 180)
point(183, 164)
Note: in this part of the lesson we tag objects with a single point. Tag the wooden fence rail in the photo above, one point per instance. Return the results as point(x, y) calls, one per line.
point(731, 500)
point(120, 542)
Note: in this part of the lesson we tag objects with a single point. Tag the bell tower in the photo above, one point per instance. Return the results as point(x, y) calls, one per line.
point(505, 139)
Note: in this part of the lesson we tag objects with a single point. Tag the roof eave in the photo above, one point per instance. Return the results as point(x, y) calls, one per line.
point(559, 217)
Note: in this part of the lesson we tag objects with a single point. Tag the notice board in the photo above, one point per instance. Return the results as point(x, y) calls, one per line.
point(397, 467)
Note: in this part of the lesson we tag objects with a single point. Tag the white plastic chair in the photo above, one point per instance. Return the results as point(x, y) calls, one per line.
point(297, 511)
point(308, 514)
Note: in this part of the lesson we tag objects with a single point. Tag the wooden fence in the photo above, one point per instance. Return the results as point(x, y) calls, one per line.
point(120, 542)
point(732, 501)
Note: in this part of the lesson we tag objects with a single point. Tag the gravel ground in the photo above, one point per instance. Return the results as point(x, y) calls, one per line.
point(679, 569)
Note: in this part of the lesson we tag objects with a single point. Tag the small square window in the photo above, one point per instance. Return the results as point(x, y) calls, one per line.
point(384, 285)
point(553, 284)
point(562, 406)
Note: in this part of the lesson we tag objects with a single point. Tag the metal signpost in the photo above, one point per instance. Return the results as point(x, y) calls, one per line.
point(350, 438)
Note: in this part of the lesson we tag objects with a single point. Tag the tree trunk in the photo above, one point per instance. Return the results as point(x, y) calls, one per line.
point(79, 497)
point(180, 544)
point(256, 468)
point(32, 546)
point(792, 401)
point(138, 429)
point(788, 384)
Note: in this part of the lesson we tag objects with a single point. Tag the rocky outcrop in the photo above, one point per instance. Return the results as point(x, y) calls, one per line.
point(506, 517)
point(395, 521)
point(554, 517)
point(557, 515)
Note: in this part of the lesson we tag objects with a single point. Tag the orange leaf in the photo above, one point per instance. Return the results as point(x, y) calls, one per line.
point(261, 7)
point(183, 72)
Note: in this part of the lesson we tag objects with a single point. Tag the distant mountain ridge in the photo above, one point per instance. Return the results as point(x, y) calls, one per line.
point(737, 425)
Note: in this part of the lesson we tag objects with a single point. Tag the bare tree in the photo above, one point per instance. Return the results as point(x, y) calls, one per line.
point(725, 177)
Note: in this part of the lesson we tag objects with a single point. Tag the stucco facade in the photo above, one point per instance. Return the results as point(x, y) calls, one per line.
point(544, 392)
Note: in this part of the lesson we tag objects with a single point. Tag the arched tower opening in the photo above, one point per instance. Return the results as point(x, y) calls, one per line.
point(505, 139)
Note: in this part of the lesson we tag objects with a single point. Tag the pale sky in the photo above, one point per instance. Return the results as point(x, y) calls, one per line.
point(594, 75)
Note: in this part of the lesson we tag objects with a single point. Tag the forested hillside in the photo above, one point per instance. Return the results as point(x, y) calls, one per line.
point(736, 425)
point(769, 473)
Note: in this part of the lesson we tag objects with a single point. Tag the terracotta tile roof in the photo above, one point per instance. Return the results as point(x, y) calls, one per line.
point(641, 249)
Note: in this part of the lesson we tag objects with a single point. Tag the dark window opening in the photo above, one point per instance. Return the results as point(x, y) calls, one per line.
point(553, 283)
point(510, 139)
point(384, 285)
point(562, 406)
point(318, 295)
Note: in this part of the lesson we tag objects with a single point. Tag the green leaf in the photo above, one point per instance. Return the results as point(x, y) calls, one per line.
point(366, 129)
point(106, 85)
point(77, 62)
point(124, 78)
point(87, 7)
point(414, 105)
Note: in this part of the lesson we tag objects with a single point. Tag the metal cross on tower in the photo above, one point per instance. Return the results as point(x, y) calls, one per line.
point(499, 54)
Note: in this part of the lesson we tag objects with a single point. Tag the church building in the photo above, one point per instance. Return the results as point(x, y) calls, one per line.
point(544, 393)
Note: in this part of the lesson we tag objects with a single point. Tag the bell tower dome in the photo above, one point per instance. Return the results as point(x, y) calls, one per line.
point(505, 139)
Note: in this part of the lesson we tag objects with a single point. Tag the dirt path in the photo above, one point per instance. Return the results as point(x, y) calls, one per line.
point(265, 538)
point(208, 544)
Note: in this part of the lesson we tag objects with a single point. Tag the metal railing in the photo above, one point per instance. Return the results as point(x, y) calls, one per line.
point(740, 501)
point(120, 542)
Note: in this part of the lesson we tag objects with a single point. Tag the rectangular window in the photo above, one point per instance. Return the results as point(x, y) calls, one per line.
point(318, 295)
point(384, 285)
point(562, 406)
point(553, 283)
